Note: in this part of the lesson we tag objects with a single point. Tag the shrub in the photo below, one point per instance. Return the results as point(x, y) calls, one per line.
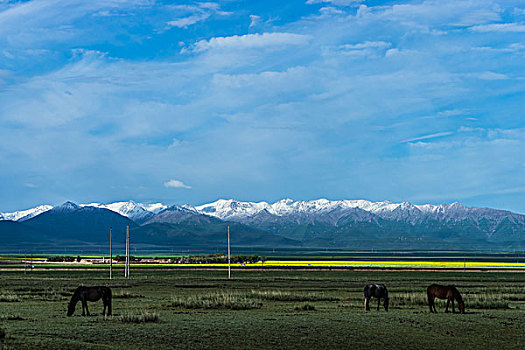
point(217, 258)
point(122, 258)
point(217, 300)
point(59, 258)
point(142, 317)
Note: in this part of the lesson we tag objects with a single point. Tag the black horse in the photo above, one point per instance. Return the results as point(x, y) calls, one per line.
point(85, 294)
point(377, 291)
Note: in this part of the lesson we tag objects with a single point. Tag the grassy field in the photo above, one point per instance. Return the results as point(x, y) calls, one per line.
point(188, 309)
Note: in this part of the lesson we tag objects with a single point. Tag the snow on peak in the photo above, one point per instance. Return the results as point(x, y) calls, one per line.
point(405, 211)
point(229, 209)
point(66, 206)
point(319, 209)
point(23, 215)
point(135, 211)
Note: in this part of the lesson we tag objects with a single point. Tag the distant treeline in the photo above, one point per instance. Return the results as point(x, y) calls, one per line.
point(63, 258)
point(193, 259)
point(217, 259)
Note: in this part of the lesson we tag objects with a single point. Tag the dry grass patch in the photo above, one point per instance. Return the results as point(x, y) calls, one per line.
point(217, 300)
point(9, 298)
point(279, 295)
point(486, 301)
point(407, 299)
point(142, 317)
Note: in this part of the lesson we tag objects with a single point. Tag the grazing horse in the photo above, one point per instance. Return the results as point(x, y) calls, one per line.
point(377, 291)
point(85, 294)
point(444, 292)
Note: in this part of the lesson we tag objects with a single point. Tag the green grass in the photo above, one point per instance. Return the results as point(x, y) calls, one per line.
point(126, 295)
point(294, 310)
point(305, 307)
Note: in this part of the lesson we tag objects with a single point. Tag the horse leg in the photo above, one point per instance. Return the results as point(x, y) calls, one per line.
point(83, 308)
point(453, 311)
point(430, 302)
point(448, 303)
point(378, 303)
point(109, 307)
point(87, 310)
point(367, 304)
point(104, 310)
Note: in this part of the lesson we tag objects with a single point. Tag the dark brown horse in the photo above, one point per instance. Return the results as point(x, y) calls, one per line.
point(377, 291)
point(444, 292)
point(85, 294)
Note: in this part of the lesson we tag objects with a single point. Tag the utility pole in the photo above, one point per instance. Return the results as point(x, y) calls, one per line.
point(110, 252)
point(229, 264)
point(127, 253)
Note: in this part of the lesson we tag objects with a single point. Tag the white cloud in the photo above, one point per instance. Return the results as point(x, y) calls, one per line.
point(500, 27)
point(335, 2)
point(367, 45)
point(249, 41)
point(330, 10)
point(489, 76)
point(452, 112)
point(187, 21)
point(176, 184)
point(191, 14)
point(254, 20)
point(426, 137)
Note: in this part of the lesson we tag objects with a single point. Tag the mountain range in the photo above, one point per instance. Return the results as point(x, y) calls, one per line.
point(357, 224)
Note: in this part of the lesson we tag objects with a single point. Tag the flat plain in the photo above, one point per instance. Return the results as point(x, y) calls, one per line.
point(285, 309)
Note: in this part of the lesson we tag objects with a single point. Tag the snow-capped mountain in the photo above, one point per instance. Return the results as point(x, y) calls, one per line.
point(180, 213)
point(25, 214)
point(315, 223)
point(232, 210)
point(332, 212)
point(137, 212)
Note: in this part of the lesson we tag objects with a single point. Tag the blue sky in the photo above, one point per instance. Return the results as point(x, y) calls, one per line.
point(187, 102)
